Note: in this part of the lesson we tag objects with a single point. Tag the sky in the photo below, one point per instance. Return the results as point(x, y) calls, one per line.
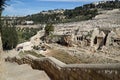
point(27, 7)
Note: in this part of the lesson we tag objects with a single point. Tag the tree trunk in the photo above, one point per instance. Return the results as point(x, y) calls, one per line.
point(2, 67)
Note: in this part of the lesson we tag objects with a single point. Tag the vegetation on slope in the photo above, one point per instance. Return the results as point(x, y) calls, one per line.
point(85, 12)
point(109, 5)
point(76, 14)
point(21, 54)
point(24, 34)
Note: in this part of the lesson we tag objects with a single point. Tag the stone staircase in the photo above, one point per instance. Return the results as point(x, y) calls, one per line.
point(23, 72)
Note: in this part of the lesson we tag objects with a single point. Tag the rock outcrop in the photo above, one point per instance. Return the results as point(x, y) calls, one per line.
point(68, 40)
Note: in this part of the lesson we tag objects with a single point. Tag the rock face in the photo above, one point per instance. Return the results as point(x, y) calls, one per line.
point(109, 41)
point(35, 40)
point(25, 46)
point(94, 34)
point(68, 40)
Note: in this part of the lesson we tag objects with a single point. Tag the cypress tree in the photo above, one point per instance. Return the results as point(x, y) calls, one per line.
point(9, 36)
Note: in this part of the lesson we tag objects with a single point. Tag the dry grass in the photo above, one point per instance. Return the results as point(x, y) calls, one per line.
point(31, 53)
point(64, 57)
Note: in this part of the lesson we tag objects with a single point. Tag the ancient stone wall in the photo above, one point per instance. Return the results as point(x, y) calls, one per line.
point(61, 71)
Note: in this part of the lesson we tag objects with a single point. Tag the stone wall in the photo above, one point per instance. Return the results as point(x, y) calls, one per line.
point(58, 70)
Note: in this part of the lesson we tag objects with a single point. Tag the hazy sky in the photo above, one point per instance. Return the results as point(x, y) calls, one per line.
point(26, 7)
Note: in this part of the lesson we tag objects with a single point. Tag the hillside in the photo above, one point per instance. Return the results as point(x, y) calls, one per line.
point(85, 12)
point(107, 19)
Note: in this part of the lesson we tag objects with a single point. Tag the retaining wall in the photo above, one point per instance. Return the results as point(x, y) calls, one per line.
point(58, 70)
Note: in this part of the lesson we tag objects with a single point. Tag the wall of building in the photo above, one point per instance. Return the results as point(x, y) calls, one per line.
point(61, 71)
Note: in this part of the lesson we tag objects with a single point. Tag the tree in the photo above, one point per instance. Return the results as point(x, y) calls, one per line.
point(9, 36)
point(2, 4)
point(8, 31)
point(49, 29)
point(116, 0)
